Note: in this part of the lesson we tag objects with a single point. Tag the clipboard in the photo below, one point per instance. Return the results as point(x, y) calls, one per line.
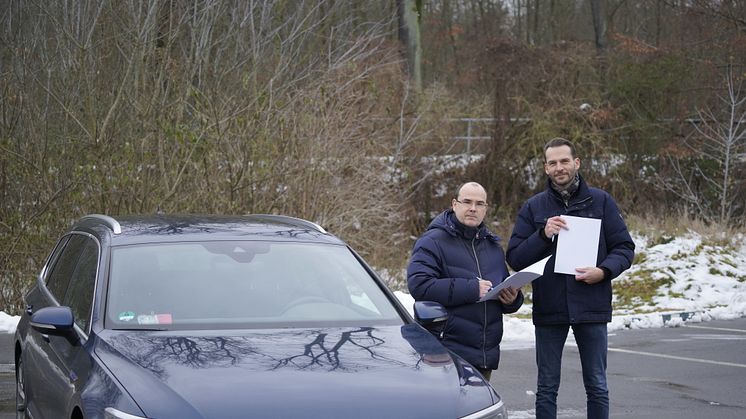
point(518, 279)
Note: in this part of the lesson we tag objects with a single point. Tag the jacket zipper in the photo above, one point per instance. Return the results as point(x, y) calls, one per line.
point(484, 327)
point(567, 203)
point(476, 259)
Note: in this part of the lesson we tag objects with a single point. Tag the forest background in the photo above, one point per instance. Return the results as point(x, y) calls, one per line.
point(349, 113)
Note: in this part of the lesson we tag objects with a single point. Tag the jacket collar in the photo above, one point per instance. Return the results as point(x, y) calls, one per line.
point(447, 221)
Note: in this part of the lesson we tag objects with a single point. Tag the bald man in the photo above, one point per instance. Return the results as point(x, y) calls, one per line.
point(455, 263)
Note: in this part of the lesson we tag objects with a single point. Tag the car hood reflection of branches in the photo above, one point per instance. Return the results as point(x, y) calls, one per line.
point(325, 350)
point(346, 349)
point(262, 367)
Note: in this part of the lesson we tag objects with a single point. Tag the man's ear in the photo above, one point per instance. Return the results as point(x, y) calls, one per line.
point(577, 163)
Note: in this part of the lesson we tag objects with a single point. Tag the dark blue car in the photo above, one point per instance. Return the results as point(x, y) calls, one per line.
point(228, 317)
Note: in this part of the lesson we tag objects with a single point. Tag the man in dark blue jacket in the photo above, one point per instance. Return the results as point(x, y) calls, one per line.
point(560, 301)
point(455, 263)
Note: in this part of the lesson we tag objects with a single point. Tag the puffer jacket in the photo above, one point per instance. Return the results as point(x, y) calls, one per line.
point(559, 298)
point(444, 267)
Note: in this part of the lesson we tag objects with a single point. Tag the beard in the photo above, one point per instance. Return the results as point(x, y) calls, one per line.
point(567, 179)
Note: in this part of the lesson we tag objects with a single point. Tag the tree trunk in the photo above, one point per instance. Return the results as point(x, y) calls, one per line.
point(599, 26)
point(409, 36)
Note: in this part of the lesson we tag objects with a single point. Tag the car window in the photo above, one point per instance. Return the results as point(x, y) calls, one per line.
point(79, 295)
point(242, 284)
point(53, 257)
point(59, 276)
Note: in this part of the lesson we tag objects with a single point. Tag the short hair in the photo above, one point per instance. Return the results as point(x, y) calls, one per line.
point(558, 142)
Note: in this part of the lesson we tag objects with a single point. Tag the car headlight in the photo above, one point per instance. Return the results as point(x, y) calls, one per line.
point(111, 413)
point(496, 411)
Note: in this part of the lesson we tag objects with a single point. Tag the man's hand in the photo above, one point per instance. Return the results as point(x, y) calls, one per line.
point(484, 287)
point(590, 275)
point(554, 225)
point(507, 295)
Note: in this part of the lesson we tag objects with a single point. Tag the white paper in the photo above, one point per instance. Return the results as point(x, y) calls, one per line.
point(518, 279)
point(577, 247)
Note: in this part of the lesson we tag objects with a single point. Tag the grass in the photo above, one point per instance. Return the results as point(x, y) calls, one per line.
point(632, 293)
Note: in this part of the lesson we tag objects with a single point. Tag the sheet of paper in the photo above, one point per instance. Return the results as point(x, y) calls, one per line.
point(518, 279)
point(577, 246)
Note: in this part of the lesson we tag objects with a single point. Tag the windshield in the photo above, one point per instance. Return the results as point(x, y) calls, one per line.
point(237, 284)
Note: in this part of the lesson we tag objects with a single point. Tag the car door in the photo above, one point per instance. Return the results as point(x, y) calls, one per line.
point(52, 378)
point(74, 358)
point(39, 369)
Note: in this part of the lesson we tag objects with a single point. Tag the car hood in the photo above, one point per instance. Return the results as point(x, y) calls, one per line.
point(392, 371)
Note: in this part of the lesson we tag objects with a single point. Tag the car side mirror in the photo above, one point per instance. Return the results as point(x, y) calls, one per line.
point(429, 314)
point(57, 321)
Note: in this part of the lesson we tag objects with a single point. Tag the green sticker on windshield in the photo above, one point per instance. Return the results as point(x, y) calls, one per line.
point(126, 316)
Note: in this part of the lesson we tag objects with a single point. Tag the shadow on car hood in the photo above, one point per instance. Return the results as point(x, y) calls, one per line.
point(358, 372)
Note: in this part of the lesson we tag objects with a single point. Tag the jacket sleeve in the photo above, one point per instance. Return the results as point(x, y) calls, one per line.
point(526, 246)
point(619, 244)
point(426, 278)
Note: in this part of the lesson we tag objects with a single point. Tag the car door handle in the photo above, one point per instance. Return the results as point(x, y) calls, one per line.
point(29, 309)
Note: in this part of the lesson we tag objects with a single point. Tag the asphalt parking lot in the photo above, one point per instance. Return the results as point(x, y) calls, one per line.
point(694, 371)
point(7, 377)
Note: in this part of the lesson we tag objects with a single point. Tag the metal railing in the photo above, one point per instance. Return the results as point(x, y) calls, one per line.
point(472, 123)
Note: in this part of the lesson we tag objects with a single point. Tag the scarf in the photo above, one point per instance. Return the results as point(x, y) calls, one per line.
point(568, 191)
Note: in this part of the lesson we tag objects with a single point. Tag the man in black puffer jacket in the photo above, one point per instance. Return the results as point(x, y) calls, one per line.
point(455, 263)
point(560, 301)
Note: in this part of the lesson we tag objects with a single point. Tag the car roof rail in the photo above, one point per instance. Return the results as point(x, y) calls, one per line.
point(108, 221)
point(292, 220)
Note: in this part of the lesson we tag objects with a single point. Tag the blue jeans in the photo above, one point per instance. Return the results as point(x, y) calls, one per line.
point(592, 343)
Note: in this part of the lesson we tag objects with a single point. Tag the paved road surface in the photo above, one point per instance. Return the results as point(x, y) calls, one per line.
point(694, 371)
point(7, 377)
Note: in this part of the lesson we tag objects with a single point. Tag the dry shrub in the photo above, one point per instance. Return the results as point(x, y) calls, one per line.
point(164, 107)
point(679, 223)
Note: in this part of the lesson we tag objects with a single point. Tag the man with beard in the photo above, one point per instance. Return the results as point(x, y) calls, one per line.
point(560, 301)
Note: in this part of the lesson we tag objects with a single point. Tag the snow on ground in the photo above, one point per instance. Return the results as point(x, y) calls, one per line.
point(701, 280)
point(8, 323)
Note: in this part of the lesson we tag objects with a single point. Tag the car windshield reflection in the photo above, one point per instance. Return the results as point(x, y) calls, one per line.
point(241, 284)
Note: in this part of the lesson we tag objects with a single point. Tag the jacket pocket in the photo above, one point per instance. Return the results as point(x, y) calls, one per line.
point(540, 222)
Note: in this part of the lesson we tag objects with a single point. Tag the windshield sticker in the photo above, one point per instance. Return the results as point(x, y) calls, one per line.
point(126, 316)
point(154, 319)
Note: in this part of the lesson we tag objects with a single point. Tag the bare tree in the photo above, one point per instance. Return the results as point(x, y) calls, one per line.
point(201, 106)
point(706, 178)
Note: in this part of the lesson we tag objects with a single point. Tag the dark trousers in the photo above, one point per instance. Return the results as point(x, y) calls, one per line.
point(592, 340)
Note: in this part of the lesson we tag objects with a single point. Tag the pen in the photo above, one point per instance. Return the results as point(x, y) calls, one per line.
point(491, 288)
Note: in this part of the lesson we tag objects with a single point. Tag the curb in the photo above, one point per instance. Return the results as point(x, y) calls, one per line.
point(666, 318)
point(684, 315)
